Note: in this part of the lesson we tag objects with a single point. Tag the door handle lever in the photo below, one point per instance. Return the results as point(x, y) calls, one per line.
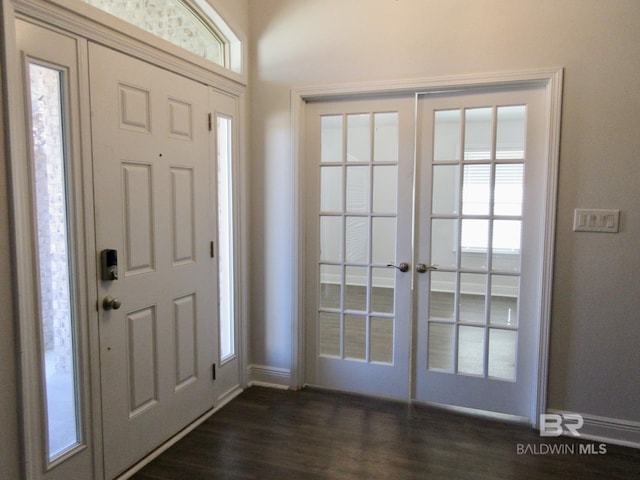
point(403, 267)
point(422, 268)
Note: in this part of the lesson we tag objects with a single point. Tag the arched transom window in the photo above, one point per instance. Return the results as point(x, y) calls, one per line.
point(189, 24)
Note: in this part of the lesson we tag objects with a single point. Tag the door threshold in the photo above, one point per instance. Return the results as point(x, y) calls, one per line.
point(472, 412)
point(475, 412)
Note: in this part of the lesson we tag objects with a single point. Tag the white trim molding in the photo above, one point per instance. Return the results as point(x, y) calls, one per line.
point(98, 26)
point(550, 78)
point(607, 430)
point(265, 376)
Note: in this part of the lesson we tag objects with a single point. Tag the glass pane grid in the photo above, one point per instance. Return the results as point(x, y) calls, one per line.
point(358, 204)
point(476, 222)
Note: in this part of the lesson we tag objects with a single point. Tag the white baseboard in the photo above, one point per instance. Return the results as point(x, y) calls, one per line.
point(607, 430)
point(265, 376)
point(229, 395)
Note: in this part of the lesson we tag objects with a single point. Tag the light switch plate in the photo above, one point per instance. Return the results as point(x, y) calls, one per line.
point(598, 220)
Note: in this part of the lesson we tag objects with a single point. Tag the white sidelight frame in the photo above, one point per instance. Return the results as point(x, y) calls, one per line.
point(549, 78)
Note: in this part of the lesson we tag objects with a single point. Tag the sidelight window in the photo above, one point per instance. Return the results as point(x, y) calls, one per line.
point(225, 238)
point(57, 321)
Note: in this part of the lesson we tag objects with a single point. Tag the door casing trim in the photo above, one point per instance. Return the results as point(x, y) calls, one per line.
point(550, 78)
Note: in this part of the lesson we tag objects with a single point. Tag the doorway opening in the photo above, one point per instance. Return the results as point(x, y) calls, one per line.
point(466, 312)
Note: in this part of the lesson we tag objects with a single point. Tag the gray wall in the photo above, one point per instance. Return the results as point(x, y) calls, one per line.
point(235, 13)
point(595, 361)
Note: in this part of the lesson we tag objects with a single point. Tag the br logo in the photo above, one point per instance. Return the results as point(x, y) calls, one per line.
point(554, 425)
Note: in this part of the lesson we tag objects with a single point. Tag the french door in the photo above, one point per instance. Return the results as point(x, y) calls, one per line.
point(358, 229)
point(460, 320)
point(479, 234)
point(154, 202)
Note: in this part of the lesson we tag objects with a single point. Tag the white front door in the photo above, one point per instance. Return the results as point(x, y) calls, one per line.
point(480, 235)
point(461, 326)
point(153, 204)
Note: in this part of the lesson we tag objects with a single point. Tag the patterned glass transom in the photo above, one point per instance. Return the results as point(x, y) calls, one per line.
point(171, 20)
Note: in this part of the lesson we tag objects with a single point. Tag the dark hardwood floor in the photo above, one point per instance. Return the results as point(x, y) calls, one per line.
point(311, 434)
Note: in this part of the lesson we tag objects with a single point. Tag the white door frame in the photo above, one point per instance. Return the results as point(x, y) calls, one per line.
point(74, 19)
point(549, 78)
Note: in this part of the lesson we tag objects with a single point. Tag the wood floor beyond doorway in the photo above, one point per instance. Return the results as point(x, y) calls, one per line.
point(310, 434)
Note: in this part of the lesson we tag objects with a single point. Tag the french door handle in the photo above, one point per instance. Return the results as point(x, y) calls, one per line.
point(422, 268)
point(403, 267)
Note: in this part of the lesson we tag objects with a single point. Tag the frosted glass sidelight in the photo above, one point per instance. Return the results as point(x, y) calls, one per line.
point(57, 315)
point(225, 237)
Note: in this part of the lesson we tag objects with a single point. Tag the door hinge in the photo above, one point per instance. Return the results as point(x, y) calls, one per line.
point(213, 371)
point(210, 122)
point(212, 249)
